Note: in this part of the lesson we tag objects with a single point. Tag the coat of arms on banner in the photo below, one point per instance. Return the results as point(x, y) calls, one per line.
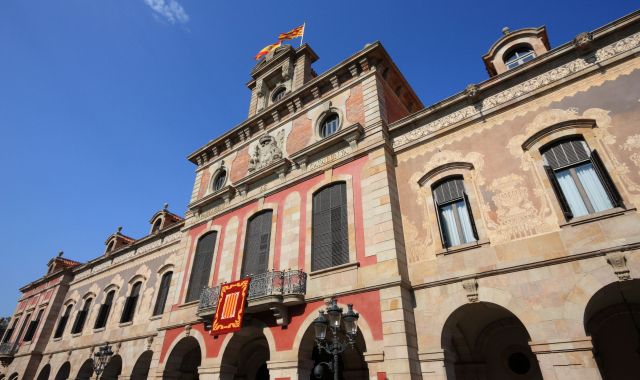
point(231, 304)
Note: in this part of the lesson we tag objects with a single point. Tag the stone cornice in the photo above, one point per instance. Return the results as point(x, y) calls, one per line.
point(461, 108)
point(350, 134)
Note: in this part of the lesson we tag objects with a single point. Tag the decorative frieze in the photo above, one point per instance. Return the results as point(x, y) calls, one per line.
point(520, 90)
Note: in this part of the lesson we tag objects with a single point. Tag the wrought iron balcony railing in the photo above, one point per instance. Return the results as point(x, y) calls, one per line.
point(274, 283)
point(8, 348)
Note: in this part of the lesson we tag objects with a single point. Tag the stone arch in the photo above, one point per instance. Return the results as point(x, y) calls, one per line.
point(45, 372)
point(486, 340)
point(86, 370)
point(184, 359)
point(113, 369)
point(14, 376)
point(143, 364)
point(612, 319)
point(246, 354)
point(64, 371)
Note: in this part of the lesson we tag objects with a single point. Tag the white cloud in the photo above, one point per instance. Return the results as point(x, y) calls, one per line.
point(171, 10)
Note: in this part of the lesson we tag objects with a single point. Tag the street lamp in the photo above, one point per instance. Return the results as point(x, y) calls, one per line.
point(337, 344)
point(101, 358)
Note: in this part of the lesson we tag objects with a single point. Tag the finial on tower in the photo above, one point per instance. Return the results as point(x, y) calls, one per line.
point(166, 206)
point(506, 30)
point(119, 229)
point(60, 253)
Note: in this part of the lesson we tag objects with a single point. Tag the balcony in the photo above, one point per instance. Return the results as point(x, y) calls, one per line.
point(272, 290)
point(7, 350)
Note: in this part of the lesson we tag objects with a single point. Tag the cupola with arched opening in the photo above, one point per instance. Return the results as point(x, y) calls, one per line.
point(516, 48)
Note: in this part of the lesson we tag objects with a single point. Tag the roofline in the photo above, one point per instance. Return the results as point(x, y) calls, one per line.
point(497, 80)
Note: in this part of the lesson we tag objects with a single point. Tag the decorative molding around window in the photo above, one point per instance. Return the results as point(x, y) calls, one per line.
point(201, 266)
point(329, 125)
point(278, 94)
point(219, 179)
point(579, 179)
point(453, 211)
point(330, 239)
point(350, 134)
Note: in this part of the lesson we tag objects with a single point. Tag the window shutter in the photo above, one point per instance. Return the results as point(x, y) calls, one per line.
point(77, 323)
point(564, 205)
point(321, 237)
point(566, 153)
point(471, 219)
point(257, 242)
point(127, 312)
point(162, 294)
point(30, 331)
point(63, 323)
point(201, 266)
point(330, 239)
point(608, 184)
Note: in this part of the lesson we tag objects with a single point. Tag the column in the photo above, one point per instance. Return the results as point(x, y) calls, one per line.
point(432, 365)
point(566, 359)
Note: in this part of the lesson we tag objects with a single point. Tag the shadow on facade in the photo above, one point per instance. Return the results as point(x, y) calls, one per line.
point(184, 360)
point(113, 369)
point(86, 370)
point(612, 319)
point(64, 372)
point(486, 341)
point(45, 372)
point(141, 368)
point(246, 355)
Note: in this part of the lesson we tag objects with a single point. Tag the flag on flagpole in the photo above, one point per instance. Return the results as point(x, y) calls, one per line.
point(293, 33)
point(268, 49)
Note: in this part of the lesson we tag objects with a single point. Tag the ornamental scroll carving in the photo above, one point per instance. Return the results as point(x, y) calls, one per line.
point(557, 74)
point(618, 262)
point(268, 150)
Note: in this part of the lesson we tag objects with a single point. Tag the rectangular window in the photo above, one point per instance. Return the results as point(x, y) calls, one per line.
point(257, 242)
point(163, 292)
point(130, 304)
point(24, 325)
point(9, 333)
point(81, 318)
point(62, 324)
point(454, 214)
point(330, 231)
point(201, 266)
point(33, 327)
point(103, 313)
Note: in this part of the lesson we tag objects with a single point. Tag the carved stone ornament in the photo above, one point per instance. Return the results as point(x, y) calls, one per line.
point(471, 288)
point(187, 330)
point(472, 92)
point(618, 262)
point(281, 314)
point(268, 150)
point(583, 42)
point(149, 342)
point(286, 70)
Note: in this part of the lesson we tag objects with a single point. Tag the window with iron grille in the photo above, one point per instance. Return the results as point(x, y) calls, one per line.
point(454, 213)
point(330, 238)
point(62, 324)
point(130, 303)
point(257, 242)
point(220, 180)
point(33, 327)
point(329, 125)
point(201, 267)
point(81, 318)
point(105, 308)
point(163, 292)
point(579, 178)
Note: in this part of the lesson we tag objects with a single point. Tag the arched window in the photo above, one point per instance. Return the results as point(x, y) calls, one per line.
point(131, 303)
point(62, 324)
point(454, 214)
point(33, 327)
point(156, 226)
point(163, 292)
point(519, 55)
point(201, 267)
point(81, 318)
point(105, 308)
point(220, 180)
point(278, 94)
point(257, 242)
point(329, 125)
point(330, 239)
point(579, 178)
point(110, 246)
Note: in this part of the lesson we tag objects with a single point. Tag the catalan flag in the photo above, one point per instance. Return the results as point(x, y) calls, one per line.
point(293, 33)
point(268, 49)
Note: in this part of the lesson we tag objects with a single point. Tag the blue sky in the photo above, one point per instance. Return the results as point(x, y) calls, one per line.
point(101, 100)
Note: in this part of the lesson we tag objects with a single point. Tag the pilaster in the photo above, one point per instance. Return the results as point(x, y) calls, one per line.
point(567, 359)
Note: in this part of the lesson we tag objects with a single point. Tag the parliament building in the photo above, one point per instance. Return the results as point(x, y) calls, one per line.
point(492, 235)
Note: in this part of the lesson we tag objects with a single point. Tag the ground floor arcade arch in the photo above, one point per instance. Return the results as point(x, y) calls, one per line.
point(86, 370)
point(64, 371)
point(184, 360)
point(45, 372)
point(141, 368)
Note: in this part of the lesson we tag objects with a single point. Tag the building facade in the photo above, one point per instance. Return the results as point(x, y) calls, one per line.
point(492, 235)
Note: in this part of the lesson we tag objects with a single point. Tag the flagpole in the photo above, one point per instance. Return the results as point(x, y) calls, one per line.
point(304, 26)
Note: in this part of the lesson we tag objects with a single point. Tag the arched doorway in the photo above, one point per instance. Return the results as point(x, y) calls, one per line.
point(64, 371)
point(113, 368)
point(184, 360)
point(486, 341)
point(141, 368)
point(246, 354)
point(351, 364)
point(44, 373)
point(612, 319)
point(86, 370)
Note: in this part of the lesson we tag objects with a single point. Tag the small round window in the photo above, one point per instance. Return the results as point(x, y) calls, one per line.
point(278, 94)
point(220, 180)
point(329, 125)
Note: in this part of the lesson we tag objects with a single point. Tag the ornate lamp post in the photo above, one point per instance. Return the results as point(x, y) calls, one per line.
point(101, 358)
point(337, 344)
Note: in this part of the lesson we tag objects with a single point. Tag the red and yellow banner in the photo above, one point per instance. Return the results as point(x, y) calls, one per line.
point(267, 49)
point(293, 33)
point(231, 305)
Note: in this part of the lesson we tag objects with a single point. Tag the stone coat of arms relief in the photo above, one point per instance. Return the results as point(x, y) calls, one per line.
point(268, 150)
